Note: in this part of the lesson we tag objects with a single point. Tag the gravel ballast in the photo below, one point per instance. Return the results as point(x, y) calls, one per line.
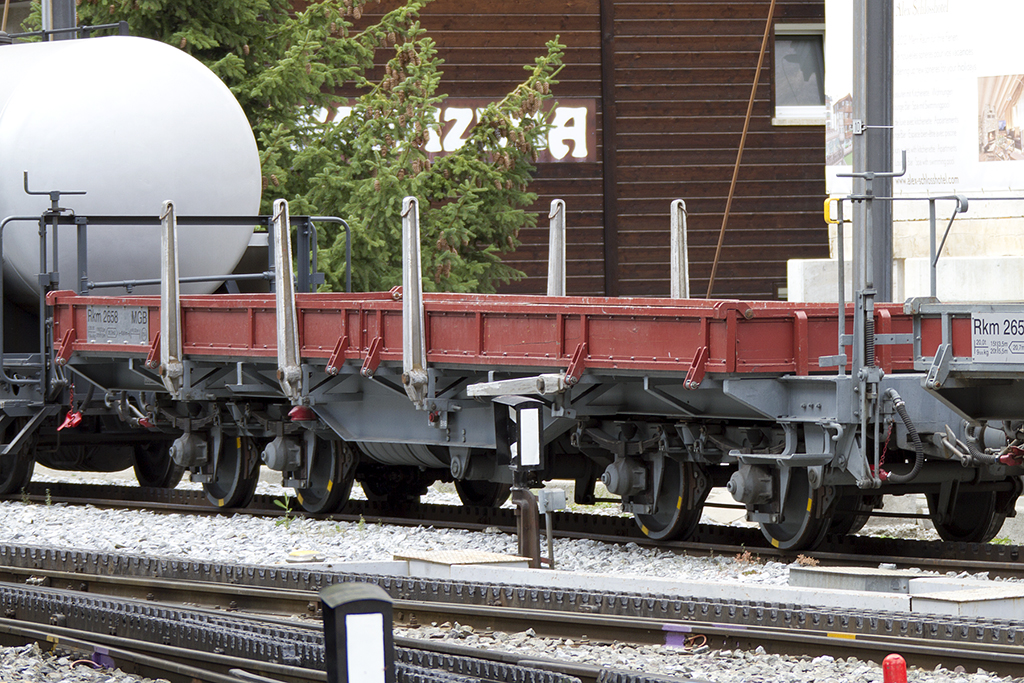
point(252, 540)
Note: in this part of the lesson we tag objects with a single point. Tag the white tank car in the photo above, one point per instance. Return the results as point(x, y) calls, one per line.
point(132, 122)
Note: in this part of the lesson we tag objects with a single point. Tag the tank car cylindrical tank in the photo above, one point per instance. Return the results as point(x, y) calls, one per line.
point(132, 122)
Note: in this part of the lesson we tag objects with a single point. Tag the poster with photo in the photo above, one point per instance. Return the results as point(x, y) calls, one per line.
point(958, 96)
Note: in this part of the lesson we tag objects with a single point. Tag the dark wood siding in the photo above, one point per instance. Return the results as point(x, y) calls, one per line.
point(680, 76)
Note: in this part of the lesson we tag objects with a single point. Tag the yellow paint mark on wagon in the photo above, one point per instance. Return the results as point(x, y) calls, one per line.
point(775, 542)
point(679, 503)
point(220, 502)
point(844, 636)
point(809, 501)
point(330, 485)
point(643, 528)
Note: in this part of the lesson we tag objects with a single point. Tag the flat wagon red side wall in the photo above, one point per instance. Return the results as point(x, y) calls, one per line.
point(636, 335)
point(671, 87)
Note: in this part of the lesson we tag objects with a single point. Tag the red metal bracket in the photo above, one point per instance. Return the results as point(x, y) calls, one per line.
point(801, 343)
point(695, 375)
point(337, 358)
point(67, 346)
point(153, 357)
point(883, 352)
point(575, 369)
point(372, 361)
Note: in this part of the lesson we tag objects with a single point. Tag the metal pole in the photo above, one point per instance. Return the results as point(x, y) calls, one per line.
point(58, 14)
point(679, 254)
point(556, 249)
point(872, 145)
point(551, 540)
point(414, 349)
point(933, 266)
point(841, 258)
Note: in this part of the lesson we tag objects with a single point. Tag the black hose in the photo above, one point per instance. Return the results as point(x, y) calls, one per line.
point(977, 454)
point(901, 410)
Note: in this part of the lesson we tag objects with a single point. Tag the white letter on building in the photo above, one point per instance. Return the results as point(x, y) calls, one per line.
point(570, 123)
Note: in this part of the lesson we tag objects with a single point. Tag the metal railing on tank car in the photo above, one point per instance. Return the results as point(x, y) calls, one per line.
point(308, 277)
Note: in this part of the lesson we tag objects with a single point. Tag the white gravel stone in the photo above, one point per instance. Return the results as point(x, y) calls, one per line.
point(252, 540)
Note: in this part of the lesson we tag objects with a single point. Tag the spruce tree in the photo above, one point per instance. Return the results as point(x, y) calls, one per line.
point(286, 69)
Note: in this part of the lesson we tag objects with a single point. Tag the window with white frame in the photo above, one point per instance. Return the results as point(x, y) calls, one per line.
point(799, 75)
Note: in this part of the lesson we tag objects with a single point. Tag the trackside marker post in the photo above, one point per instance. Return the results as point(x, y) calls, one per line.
point(358, 639)
point(894, 669)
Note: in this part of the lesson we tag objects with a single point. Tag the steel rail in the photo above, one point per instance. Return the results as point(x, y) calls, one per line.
point(205, 634)
point(1002, 561)
point(799, 633)
point(154, 660)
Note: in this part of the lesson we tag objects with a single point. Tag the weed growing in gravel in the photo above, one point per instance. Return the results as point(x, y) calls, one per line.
point(24, 497)
point(1001, 540)
point(49, 500)
point(362, 525)
point(746, 557)
point(805, 561)
point(285, 505)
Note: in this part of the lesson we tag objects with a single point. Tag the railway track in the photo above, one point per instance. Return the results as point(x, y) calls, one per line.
point(114, 595)
point(998, 560)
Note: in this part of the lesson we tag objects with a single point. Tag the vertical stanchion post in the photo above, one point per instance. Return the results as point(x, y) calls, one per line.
point(414, 343)
point(679, 253)
point(171, 368)
point(933, 260)
point(289, 374)
point(81, 226)
point(359, 644)
point(556, 248)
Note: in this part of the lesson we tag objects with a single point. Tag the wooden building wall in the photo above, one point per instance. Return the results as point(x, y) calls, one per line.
point(672, 80)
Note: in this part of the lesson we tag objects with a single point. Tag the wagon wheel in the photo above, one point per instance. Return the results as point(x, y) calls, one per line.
point(234, 480)
point(671, 519)
point(800, 526)
point(973, 519)
point(330, 479)
point(488, 494)
point(852, 513)
point(15, 468)
point(395, 487)
point(153, 465)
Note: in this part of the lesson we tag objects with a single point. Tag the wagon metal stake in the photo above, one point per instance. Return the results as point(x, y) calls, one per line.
point(556, 248)
point(414, 344)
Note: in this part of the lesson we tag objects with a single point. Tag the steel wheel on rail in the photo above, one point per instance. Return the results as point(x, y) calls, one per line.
point(15, 468)
point(487, 494)
point(394, 487)
point(671, 518)
point(153, 466)
point(15, 472)
point(973, 519)
point(800, 527)
point(852, 513)
point(331, 477)
point(234, 480)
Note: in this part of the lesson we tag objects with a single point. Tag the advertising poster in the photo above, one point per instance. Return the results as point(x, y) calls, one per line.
point(958, 92)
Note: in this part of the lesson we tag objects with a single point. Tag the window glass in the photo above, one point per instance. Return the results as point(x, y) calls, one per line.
point(799, 71)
